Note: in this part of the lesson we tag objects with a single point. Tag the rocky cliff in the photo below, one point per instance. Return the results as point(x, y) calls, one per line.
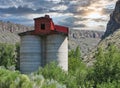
point(86, 39)
point(114, 22)
point(9, 32)
point(111, 39)
point(76, 34)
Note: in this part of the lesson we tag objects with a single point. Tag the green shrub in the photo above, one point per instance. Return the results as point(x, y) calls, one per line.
point(52, 71)
point(13, 79)
point(106, 69)
point(113, 84)
point(7, 55)
point(74, 61)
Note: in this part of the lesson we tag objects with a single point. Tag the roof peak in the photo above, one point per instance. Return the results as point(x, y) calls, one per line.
point(45, 16)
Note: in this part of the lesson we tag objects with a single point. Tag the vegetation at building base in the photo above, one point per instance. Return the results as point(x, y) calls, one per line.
point(13, 79)
point(104, 74)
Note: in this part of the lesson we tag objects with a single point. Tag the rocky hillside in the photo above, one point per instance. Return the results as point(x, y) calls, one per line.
point(114, 22)
point(76, 34)
point(86, 39)
point(111, 39)
point(9, 32)
point(111, 36)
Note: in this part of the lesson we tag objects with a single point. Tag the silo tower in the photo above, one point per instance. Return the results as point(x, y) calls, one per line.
point(47, 42)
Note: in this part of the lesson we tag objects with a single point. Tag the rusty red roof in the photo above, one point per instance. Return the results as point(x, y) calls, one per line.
point(50, 28)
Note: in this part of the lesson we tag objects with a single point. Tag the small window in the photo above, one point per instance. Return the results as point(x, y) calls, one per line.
point(42, 26)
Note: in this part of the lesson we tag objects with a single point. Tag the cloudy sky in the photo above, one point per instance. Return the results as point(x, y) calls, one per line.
point(76, 14)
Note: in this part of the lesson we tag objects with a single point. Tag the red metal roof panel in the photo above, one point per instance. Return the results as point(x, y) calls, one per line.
point(61, 29)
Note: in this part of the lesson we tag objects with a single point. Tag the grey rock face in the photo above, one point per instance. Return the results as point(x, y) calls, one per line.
point(86, 39)
point(111, 39)
point(114, 22)
point(76, 34)
point(9, 32)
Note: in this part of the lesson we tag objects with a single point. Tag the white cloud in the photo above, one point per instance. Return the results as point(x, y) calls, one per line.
point(32, 16)
point(60, 7)
point(54, 1)
point(73, 2)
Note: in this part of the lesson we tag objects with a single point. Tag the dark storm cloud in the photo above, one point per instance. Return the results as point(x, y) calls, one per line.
point(23, 10)
point(38, 6)
point(44, 6)
point(28, 7)
point(72, 9)
point(72, 22)
point(19, 10)
point(68, 22)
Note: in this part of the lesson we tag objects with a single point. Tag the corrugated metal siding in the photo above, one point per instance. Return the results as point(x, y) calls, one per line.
point(30, 53)
point(57, 50)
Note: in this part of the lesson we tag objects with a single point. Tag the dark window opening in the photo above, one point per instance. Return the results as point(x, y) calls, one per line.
point(43, 26)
